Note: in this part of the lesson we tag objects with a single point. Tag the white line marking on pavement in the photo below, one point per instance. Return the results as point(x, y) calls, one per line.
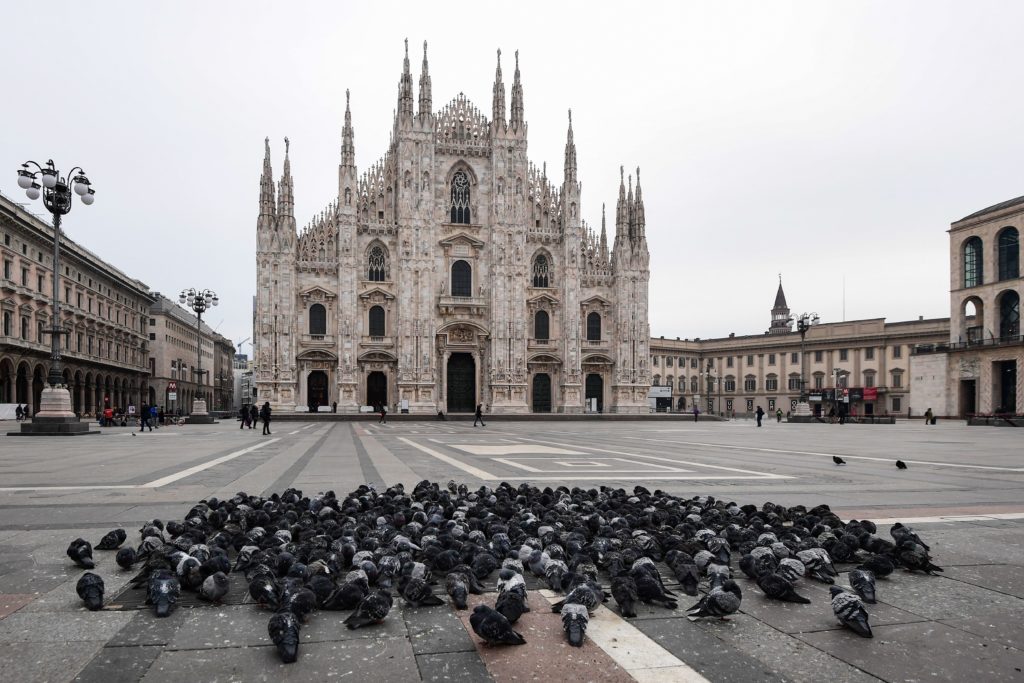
point(632, 649)
point(295, 432)
point(468, 469)
point(171, 478)
point(510, 463)
point(757, 475)
point(950, 518)
point(829, 455)
point(68, 488)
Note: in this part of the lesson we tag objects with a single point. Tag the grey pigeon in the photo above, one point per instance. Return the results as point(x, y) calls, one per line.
point(458, 591)
point(493, 627)
point(265, 591)
point(585, 594)
point(720, 602)
point(90, 589)
point(283, 629)
point(778, 587)
point(900, 465)
point(215, 587)
point(418, 593)
point(574, 622)
point(625, 593)
point(80, 552)
point(347, 596)
point(371, 610)
point(791, 569)
point(837, 460)
point(112, 539)
point(901, 533)
point(850, 612)
point(862, 581)
point(915, 558)
point(511, 604)
point(554, 570)
point(879, 565)
point(125, 558)
point(163, 592)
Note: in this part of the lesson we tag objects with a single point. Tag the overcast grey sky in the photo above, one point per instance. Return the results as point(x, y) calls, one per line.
point(821, 140)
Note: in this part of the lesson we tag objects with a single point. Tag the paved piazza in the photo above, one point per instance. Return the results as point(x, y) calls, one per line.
point(963, 492)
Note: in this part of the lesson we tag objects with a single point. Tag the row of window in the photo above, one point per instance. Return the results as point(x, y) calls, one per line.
point(1007, 258)
point(771, 382)
point(844, 355)
point(462, 273)
point(82, 343)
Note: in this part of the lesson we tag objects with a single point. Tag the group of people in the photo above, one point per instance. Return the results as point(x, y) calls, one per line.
point(22, 413)
point(248, 415)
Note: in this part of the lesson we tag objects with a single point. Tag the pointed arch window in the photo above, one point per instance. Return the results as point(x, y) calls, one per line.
point(377, 320)
point(460, 198)
point(541, 326)
point(594, 327)
point(972, 262)
point(541, 271)
point(1009, 254)
point(317, 320)
point(462, 279)
point(376, 265)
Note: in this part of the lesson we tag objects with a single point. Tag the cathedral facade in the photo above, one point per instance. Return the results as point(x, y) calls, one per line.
point(451, 272)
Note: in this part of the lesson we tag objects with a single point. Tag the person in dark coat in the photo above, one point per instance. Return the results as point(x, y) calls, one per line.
point(759, 414)
point(383, 414)
point(254, 416)
point(265, 416)
point(19, 413)
point(243, 417)
point(479, 415)
point(144, 418)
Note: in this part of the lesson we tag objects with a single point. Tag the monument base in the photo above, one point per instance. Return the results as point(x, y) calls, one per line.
point(55, 417)
point(199, 415)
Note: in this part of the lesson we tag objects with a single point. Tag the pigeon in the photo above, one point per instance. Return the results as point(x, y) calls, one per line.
point(837, 460)
point(299, 600)
point(862, 581)
point(493, 627)
point(625, 593)
point(574, 622)
point(512, 605)
point(418, 593)
point(90, 589)
point(720, 602)
point(284, 633)
point(902, 533)
point(586, 594)
point(164, 591)
point(214, 588)
point(778, 587)
point(458, 591)
point(265, 591)
point(112, 540)
point(900, 465)
point(879, 565)
point(650, 589)
point(791, 569)
point(80, 552)
point(850, 612)
point(125, 558)
point(914, 557)
point(347, 596)
point(371, 610)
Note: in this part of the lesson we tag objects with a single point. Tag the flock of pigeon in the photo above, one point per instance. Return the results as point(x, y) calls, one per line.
point(301, 554)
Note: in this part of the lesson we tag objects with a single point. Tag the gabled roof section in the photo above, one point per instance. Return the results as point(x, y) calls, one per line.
point(542, 297)
point(376, 290)
point(461, 237)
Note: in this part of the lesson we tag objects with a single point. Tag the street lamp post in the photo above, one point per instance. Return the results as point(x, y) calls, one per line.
point(804, 322)
point(709, 377)
point(55, 415)
point(199, 301)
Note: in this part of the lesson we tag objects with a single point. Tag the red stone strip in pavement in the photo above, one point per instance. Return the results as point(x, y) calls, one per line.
point(12, 602)
point(547, 655)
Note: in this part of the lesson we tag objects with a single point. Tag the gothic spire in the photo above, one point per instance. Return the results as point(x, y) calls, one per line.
point(348, 149)
point(621, 212)
point(570, 155)
point(641, 221)
point(268, 212)
point(284, 189)
point(604, 236)
point(780, 313)
point(425, 94)
point(498, 102)
point(630, 210)
point(516, 121)
point(405, 87)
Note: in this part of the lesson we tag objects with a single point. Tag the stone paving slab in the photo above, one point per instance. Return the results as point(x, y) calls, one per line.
point(43, 627)
point(1002, 578)
point(12, 602)
point(36, 580)
point(43, 662)
point(998, 628)
point(937, 597)
point(453, 666)
point(119, 665)
point(387, 659)
point(923, 651)
point(437, 630)
point(145, 629)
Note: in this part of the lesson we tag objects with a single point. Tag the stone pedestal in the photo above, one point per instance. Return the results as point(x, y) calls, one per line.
point(55, 417)
point(199, 415)
point(802, 413)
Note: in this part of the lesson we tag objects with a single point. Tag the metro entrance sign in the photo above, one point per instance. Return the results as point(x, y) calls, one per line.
point(172, 391)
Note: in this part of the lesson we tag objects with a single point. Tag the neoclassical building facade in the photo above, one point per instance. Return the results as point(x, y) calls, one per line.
point(451, 272)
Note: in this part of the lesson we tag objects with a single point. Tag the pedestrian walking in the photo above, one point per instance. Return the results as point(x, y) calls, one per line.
point(265, 416)
point(153, 416)
point(160, 416)
point(19, 413)
point(696, 412)
point(108, 417)
point(383, 414)
point(778, 415)
point(144, 418)
point(479, 415)
point(759, 414)
point(243, 417)
point(928, 415)
point(254, 415)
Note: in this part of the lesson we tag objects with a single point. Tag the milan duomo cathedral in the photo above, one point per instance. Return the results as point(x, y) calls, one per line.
point(450, 273)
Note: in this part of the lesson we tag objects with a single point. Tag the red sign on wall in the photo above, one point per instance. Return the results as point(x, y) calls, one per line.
point(870, 393)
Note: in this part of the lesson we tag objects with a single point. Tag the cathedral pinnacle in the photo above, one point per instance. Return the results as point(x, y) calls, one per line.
point(405, 87)
point(570, 154)
point(284, 192)
point(630, 211)
point(267, 209)
point(425, 93)
point(641, 220)
point(604, 236)
point(621, 213)
point(498, 102)
point(516, 120)
point(348, 150)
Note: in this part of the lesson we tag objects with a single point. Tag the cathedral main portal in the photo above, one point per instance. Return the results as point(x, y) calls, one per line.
point(461, 383)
